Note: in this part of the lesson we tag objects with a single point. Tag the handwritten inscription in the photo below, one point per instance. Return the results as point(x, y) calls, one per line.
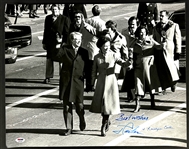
point(158, 128)
point(168, 127)
point(153, 129)
point(129, 128)
point(122, 117)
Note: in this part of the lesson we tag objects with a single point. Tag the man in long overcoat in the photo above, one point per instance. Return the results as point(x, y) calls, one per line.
point(168, 33)
point(56, 29)
point(78, 26)
point(71, 82)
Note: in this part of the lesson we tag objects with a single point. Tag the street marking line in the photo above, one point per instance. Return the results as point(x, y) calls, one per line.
point(127, 18)
point(120, 82)
point(40, 37)
point(28, 57)
point(8, 126)
point(32, 97)
point(37, 32)
point(124, 14)
point(146, 124)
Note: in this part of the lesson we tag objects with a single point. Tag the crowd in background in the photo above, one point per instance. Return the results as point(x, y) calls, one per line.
point(19, 9)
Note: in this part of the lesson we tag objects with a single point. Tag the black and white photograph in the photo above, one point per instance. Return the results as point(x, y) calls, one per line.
point(94, 75)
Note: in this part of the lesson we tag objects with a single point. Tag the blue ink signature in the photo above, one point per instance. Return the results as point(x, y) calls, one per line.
point(168, 127)
point(129, 128)
point(122, 117)
point(153, 129)
point(158, 128)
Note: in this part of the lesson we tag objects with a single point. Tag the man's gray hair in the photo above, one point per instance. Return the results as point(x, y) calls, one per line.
point(72, 34)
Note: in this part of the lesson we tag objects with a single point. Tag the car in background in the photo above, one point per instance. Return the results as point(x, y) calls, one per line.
point(179, 17)
point(16, 37)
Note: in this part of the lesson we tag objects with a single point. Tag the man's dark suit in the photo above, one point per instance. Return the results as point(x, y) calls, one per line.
point(51, 28)
point(72, 83)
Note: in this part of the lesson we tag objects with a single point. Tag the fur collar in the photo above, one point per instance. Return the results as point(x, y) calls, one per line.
point(162, 31)
point(166, 27)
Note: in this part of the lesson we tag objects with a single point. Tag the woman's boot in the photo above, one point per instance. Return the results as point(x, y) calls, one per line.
point(104, 127)
point(103, 130)
point(137, 108)
point(108, 125)
point(152, 101)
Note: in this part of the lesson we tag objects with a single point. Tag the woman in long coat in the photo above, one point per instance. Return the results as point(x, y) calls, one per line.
point(106, 96)
point(146, 76)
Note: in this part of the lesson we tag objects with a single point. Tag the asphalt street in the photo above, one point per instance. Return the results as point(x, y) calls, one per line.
point(34, 114)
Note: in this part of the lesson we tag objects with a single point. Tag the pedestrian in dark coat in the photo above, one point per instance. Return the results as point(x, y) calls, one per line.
point(71, 83)
point(69, 10)
point(78, 26)
point(56, 30)
point(145, 70)
point(148, 15)
point(10, 9)
point(129, 80)
point(33, 11)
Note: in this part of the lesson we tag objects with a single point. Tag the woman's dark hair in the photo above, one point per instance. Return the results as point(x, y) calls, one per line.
point(102, 40)
point(137, 32)
point(111, 24)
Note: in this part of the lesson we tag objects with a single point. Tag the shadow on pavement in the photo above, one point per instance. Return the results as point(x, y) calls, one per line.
point(162, 138)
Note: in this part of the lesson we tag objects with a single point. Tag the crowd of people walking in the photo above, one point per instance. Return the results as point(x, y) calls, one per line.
point(93, 54)
point(31, 9)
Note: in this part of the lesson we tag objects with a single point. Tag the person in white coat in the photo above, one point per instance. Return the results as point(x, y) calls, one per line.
point(168, 33)
point(106, 96)
point(99, 24)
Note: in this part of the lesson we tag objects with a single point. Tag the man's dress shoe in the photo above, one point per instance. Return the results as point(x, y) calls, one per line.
point(68, 132)
point(82, 125)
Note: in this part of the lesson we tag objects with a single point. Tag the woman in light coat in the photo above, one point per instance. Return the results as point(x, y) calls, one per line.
point(106, 96)
point(146, 76)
